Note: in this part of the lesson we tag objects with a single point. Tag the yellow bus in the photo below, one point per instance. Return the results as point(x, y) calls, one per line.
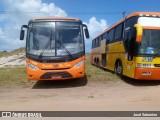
point(55, 48)
point(130, 47)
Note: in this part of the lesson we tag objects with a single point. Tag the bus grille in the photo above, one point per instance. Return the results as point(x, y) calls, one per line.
point(54, 60)
point(50, 61)
point(61, 74)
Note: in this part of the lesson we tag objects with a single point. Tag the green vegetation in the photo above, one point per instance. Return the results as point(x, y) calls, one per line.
point(14, 52)
point(16, 76)
point(98, 74)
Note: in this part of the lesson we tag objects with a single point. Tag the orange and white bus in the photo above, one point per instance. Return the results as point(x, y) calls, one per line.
point(55, 48)
point(130, 47)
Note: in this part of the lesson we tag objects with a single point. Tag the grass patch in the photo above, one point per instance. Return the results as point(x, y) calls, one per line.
point(96, 73)
point(14, 77)
point(11, 77)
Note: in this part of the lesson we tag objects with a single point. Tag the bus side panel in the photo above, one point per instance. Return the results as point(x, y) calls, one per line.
point(103, 47)
point(128, 66)
point(111, 61)
point(97, 53)
point(114, 52)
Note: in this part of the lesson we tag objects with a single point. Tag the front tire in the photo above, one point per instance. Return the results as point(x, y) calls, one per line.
point(118, 69)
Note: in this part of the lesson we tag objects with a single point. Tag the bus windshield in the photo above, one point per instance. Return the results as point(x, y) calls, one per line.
point(44, 38)
point(150, 43)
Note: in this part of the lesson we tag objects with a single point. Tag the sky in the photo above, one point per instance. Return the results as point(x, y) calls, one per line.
point(96, 14)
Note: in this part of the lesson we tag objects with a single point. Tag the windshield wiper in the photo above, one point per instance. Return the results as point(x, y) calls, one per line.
point(49, 42)
point(65, 48)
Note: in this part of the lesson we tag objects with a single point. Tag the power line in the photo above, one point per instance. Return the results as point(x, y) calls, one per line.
point(70, 12)
point(19, 12)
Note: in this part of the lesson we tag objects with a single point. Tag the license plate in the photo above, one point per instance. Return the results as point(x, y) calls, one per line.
point(56, 77)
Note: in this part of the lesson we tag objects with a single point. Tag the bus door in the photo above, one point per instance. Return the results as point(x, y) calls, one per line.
point(104, 60)
point(129, 64)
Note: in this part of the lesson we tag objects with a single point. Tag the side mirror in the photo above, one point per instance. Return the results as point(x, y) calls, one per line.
point(139, 31)
point(22, 35)
point(86, 31)
point(22, 31)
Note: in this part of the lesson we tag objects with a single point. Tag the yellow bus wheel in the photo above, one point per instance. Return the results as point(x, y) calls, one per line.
point(118, 69)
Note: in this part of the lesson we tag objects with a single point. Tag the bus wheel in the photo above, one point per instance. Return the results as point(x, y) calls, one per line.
point(118, 68)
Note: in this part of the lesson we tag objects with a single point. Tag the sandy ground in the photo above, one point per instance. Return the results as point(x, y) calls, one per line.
point(78, 95)
point(13, 60)
point(81, 95)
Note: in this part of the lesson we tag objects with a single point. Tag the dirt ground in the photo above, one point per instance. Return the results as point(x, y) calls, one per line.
point(81, 95)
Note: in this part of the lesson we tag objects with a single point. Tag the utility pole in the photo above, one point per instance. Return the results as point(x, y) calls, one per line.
point(123, 13)
point(124, 26)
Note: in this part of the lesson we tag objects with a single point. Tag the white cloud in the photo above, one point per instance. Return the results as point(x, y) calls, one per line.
point(19, 13)
point(95, 28)
point(10, 23)
point(1, 32)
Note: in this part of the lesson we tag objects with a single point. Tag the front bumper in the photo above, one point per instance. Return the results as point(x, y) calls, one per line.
point(64, 74)
point(147, 73)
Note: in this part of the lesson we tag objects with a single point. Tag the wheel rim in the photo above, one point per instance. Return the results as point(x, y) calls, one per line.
point(119, 68)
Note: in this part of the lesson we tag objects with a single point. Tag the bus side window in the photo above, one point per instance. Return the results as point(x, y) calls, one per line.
point(100, 39)
point(107, 38)
point(126, 38)
point(96, 42)
point(104, 36)
point(110, 35)
point(118, 32)
point(92, 43)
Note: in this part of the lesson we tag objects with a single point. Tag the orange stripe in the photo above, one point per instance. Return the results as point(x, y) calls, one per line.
point(141, 73)
point(148, 27)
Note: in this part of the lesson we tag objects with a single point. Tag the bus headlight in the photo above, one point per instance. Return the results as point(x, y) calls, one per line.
point(79, 64)
point(33, 67)
point(141, 65)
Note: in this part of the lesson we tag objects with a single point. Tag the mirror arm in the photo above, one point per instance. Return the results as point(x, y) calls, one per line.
point(24, 26)
point(86, 30)
point(85, 26)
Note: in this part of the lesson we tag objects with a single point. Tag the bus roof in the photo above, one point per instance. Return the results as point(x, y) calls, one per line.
point(154, 14)
point(55, 18)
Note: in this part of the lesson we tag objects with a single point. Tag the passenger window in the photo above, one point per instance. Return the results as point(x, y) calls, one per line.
point(110, 36)
point(104, 36)
point(98, 41)
point(92, 43)
point(118, 32)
